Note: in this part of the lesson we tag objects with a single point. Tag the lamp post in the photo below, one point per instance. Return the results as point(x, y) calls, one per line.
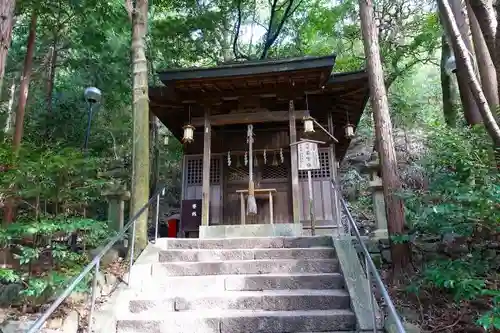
point(93, 98)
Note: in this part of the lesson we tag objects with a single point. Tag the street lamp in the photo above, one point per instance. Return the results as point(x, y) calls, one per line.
point(93, 98)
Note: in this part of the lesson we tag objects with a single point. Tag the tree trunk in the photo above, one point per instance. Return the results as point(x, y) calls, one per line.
point(488, 119)
point(450, 109)
point(485, 64)
point(6, 23)
point(140, 158)
point(496, 55)
point(25, 82)
point(51, 75)
point(485, 15)
point(471, 111)
point(383, 131)
point(9, 122)
point(154, 149)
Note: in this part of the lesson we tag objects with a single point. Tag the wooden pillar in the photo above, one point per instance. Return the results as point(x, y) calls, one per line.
point(294, 164)
point(337, 216)
point(205, 204)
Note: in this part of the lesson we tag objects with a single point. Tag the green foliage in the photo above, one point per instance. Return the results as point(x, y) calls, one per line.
point(461, 207)
point(53, 187)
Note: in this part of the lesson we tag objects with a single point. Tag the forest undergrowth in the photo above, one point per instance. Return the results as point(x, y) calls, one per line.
point(454, 232)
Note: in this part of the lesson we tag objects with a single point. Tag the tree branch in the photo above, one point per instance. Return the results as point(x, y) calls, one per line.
point(129, 6)
point(272, 36)
point(237, 53)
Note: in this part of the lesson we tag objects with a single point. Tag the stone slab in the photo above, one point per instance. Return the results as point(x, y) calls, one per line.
point(245, 267)
point(203, 255)
point(357, 285)
point(243, 243)
point(239, 322)
point(251, 230)
point(281, 282)
point(270, 300)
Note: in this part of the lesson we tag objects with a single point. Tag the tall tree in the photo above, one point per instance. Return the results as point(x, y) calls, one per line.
point(383, 131)
point(495, 54)
point(474, 85)
point(25, 82)
point(485, 14)
point(471, 111)
point(6, 22)
point(450, 110)
point(485, 64)
point(138, 12)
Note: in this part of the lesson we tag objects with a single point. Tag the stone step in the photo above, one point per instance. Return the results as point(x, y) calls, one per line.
point(270, 300)
point(239, 322)
point(244, 243)
point(250, 282)
point(261, 266)
point(202, 255)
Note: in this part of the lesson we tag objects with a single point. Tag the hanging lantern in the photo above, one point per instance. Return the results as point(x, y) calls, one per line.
point(188, 136)
point(308, 124)
point(265, 156)
point(349, 131)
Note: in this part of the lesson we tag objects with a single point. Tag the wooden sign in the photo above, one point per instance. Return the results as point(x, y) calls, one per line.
point(191, 215)
point(308, 155)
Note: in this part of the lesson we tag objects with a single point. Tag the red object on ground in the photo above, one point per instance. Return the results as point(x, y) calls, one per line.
point(172, 228)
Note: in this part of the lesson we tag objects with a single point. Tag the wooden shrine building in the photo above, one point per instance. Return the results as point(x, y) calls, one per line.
point(273, 96)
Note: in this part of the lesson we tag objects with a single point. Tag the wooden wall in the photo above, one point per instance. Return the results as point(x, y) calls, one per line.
point(192, 187)
point(322, 191)
point(274, 173)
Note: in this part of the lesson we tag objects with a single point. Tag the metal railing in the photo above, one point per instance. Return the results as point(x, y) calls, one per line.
point(371, 271)
point(94, 265)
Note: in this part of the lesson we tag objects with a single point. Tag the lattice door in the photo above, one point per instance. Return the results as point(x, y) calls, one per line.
point(194, 170)
point(322, 173)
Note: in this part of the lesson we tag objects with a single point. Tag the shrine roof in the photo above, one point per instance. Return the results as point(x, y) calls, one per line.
point(271, 84)
point(321, 66)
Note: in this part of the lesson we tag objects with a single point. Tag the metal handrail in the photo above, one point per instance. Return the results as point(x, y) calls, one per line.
point(95, 263)
point(371, 270)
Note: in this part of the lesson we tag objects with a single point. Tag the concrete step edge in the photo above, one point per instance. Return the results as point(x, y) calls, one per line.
point(254, 249)
point(147, 296)
point(243, 261)
point(207, 255)
point(163, 316)
point(244, 242)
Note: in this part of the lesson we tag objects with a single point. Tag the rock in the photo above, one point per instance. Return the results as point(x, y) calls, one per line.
point(71, 322)
point(15, 326)
point(9, 294)
point(111, 256)
point(411, 328)
point(409, 314)
point(111, 279)
point(4, 315)
point(101, 279)
point(386, 256)
point(54, 323)
point(77, 297)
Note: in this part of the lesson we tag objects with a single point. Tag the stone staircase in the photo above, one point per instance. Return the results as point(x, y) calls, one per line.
point(237, 285)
